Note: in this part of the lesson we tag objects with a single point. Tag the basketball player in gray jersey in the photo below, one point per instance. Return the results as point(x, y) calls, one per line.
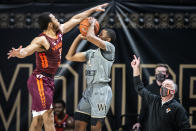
point(97, 97)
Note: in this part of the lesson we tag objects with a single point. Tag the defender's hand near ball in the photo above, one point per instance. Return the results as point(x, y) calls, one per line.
point(100, 7)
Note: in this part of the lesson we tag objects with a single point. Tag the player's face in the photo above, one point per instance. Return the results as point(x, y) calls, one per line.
point(58, 108)
point(103, 35)
point(55, 22)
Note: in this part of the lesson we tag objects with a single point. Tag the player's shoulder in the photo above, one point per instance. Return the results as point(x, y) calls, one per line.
point(41, 39)
point(61, 29)
point(109, 43)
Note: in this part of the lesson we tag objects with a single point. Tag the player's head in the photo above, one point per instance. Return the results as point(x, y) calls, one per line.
point(107, 35)
point(59, 107)
point(47, 20)
point(161, 72)
point(168, 88)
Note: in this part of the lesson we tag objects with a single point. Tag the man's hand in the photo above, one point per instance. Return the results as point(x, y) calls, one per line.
point(135, 65)
point(82, 37)
point(91, 29)
point(135, 62)
point(14, 52)
point(136, 126)
point(91, 20)
point(100, 7)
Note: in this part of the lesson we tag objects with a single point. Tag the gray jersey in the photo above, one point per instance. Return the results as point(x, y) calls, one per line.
point(99, 64)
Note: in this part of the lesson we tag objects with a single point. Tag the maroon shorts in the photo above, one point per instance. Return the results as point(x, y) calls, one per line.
point(41, 89)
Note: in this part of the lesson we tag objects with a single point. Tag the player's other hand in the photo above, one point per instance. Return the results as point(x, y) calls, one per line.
point(100, 7)
point(136, 126)
point(91, 20)
point(14, 52)
point(82, 37)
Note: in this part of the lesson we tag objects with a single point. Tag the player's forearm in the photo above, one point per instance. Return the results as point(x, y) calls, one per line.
point(79, 17)
point(91, 31)
point(91, 37)
point(136, 71)
point(22, 53)
point(90, 34)
point(73, 48)
point(75, 20)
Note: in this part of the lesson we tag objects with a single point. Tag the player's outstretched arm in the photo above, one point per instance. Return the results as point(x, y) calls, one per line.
point(72, 55)
point(37, 44)
point(76, 19)
point(91, 37)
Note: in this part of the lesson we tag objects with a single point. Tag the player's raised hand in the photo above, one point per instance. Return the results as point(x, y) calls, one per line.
point(100, 7)
point(14, 52)
point(92, 20)
point(135, 62)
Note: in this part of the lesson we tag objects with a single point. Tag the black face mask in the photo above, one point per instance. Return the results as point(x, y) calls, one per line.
point(160, 77)
point(164, 91)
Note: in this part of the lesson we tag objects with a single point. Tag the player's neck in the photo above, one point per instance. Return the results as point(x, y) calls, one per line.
point(51, 33)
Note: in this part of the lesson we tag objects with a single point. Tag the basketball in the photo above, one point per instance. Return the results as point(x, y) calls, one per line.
point(84, 27)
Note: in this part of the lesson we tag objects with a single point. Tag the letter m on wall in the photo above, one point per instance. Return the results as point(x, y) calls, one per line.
point(7, 112)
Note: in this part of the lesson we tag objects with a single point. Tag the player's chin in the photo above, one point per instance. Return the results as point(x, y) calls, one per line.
point(57, 29)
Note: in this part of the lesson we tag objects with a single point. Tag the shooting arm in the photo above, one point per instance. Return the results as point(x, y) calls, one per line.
point(91, 37)
point(72, 55)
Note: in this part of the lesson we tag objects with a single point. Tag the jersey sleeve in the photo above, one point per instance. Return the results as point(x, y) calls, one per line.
point(109, 53)
point(109, 47)
point(88, 53)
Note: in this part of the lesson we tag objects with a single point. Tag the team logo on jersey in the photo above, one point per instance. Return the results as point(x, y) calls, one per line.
point(101, 107)
point(90, 72)
point(54, 43)
point(57, 46)
point(39, 76)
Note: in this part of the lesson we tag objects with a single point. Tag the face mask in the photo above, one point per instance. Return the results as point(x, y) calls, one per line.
point(164, 91)
point(160, 77)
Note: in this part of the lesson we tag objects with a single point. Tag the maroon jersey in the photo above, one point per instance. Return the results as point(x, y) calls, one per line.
point(47, 62)
point(60, 126)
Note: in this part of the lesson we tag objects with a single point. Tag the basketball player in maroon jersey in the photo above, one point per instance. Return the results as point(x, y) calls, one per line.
point(47, 47)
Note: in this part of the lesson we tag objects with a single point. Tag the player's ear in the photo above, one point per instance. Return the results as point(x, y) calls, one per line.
point(108, 39)
point(50, 24)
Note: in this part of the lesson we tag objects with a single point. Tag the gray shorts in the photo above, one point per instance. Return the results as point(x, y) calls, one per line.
point(96, 100)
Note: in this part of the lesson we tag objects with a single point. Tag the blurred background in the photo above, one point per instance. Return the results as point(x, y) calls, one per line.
point(159, 31)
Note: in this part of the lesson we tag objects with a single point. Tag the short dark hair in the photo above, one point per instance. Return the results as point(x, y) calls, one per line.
point(163, 65)
point(111, 33)
point(43, 20)
point(60, 102)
